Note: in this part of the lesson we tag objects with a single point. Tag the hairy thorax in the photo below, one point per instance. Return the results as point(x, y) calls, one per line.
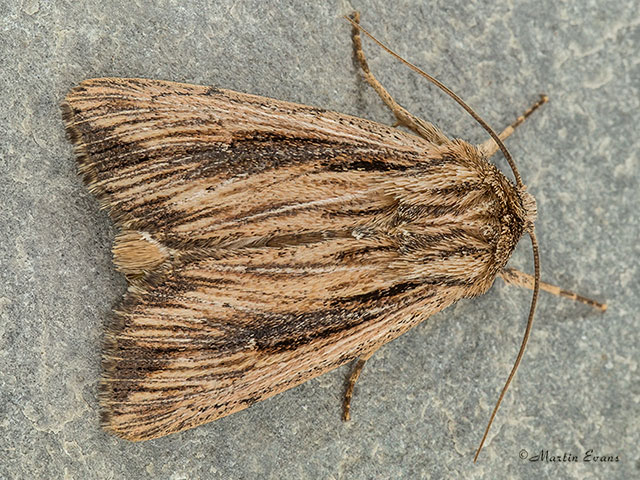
point(456, 218)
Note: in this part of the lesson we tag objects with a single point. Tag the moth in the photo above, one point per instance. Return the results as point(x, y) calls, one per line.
point(266, 243)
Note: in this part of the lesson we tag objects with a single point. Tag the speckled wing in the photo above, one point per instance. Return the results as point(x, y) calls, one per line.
point(265, 242)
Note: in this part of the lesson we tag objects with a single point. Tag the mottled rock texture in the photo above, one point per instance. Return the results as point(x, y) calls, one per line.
point(423, 401)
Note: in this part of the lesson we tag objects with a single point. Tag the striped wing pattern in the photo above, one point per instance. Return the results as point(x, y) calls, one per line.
point(267, 242)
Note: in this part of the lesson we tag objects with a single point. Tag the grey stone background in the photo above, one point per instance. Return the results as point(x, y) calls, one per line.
point(424, 400)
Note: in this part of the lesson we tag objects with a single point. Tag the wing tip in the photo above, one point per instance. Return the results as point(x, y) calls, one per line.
point(86, 166)
point(74, 135)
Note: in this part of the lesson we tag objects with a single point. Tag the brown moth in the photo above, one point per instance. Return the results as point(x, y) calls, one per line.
point(266, 243)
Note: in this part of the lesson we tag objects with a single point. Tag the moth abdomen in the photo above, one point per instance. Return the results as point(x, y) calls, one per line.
point(136, 253)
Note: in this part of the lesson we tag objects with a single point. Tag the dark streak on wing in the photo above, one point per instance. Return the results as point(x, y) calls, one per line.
point(241, 283)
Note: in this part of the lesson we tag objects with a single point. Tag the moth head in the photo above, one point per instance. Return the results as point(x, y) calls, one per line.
point(515, 216)
point(530, 208)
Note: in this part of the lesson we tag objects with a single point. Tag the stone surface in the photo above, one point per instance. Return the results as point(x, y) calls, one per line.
point(423, 401)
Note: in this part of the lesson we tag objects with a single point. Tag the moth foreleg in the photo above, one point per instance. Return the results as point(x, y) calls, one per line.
point(521, 279)
point(489, 147)
point(423, 128)
point(353, 378)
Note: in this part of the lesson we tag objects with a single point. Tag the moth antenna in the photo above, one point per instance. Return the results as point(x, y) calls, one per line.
point(527, 332)
point(461, 102)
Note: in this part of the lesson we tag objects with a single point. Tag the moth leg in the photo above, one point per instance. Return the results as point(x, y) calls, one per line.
point(521, 279)
point(423, 128)
point(353, 378)
point(489, 147)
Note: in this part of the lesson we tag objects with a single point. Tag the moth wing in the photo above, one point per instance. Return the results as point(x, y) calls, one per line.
point(183, 159)
point(252, 235)
point(218, 335)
